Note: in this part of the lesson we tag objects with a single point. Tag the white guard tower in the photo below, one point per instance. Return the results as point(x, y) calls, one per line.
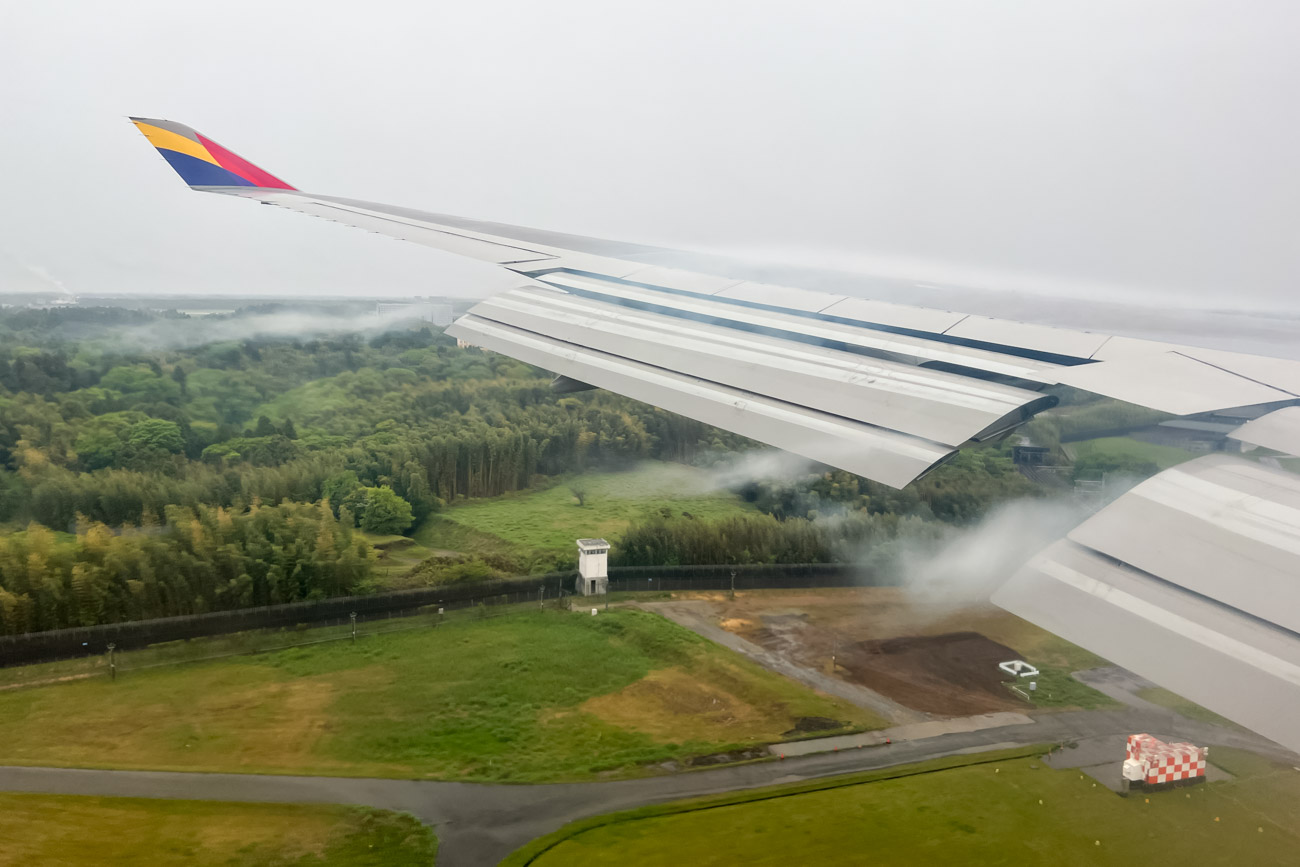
point(593, 577)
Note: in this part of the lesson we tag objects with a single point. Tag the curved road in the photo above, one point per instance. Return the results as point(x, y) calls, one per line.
point(481, 823)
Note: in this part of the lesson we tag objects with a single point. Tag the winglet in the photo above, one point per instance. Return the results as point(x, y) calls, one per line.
point(200, 161)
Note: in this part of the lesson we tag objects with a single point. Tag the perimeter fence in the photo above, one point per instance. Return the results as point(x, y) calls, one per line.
point(242, 626)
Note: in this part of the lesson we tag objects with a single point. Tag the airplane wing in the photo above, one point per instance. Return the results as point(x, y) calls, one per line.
point(889, 391)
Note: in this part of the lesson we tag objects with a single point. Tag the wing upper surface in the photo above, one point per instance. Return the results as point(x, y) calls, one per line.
point(1192, 578)
point(760, 317)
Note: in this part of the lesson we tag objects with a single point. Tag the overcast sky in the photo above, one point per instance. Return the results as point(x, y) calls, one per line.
point(1108, 148)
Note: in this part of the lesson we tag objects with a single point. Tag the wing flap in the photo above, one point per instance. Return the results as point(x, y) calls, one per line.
point(1191, 579)
point(942, 407)
point(1223, 527)
point(828, 332)
point(1279, 430)
point(1215, 655)
point(889, 457)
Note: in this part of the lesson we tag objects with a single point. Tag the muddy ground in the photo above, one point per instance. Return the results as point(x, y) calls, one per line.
point(923, 655)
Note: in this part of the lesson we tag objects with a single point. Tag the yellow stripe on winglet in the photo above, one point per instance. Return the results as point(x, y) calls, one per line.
point(162, 138)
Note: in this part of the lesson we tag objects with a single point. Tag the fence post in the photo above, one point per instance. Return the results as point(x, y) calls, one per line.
point(112, 664)
point(353, 615)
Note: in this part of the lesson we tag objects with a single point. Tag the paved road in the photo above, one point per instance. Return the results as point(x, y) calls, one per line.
point(480, 824)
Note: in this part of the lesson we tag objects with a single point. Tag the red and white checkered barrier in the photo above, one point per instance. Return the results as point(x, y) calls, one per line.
point(1152, 761)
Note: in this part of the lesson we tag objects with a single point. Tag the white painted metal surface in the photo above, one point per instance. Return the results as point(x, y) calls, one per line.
point(1140, 371)
point(780, 296)
point(681, 281)
point(463, 242)
point(1221, 526)
point(1279, 373)
point(943, 407)
point(895, 315)
point(886, 456)
point(1279, 430)
point(1171, 382)
point(881, 343)
point(1214, 655)
point(1041, 338)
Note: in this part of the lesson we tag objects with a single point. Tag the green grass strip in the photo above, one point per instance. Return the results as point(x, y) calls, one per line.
point(529, 853)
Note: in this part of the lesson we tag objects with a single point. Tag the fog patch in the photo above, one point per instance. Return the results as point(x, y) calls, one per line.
point(278, 324)
point(967, 565)
point(732, 470)
point(178, 331)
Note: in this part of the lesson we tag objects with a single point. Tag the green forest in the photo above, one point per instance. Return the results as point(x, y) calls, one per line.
point(144, 478)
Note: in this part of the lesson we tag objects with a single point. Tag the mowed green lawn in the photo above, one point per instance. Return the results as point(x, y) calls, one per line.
point(1009, 812)
point(1162, 456)
point(528, 696)
point(75, 830)
point(551, 519)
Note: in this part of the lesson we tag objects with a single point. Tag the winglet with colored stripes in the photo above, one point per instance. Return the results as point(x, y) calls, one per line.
point(200, 161)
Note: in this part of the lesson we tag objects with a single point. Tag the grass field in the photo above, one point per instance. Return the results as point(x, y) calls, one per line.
point(1162, 456)
point(529, 696)
point(1013, 811)
point(396, 555)
point(549, 520)
point(73, 830)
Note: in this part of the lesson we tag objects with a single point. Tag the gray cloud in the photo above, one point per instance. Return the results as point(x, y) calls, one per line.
point(1144, 147)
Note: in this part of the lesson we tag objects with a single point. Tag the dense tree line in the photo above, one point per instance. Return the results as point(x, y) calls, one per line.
point(859, 537)
point(88, 428)
point(150, 479)
point(145, 479)
point(192, 561)
point(958, 492)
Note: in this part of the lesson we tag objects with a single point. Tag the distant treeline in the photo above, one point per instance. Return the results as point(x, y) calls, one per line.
point(145, 482)
point(89, 429)
point(859, 537)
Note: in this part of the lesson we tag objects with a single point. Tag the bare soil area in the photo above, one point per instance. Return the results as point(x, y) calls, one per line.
point(923, 655)
point(951, 674)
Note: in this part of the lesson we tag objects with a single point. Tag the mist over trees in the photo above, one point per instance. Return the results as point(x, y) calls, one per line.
point(111, 435)
point(139, 481)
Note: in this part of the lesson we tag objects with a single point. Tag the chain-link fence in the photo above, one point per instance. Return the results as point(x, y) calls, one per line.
point(69, 644)
point(111, 661)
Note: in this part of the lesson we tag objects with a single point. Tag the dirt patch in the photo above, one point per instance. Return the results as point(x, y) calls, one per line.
point(952, 674)
point(738, 625)
point(922, 655)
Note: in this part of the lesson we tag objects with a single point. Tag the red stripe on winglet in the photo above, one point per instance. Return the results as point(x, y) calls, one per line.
point(242, 167)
